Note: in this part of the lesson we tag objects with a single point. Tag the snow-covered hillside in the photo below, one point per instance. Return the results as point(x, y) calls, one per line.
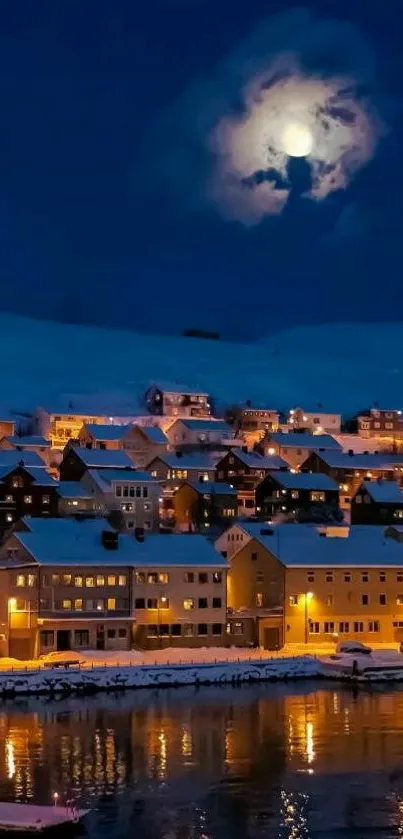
point(343, 366)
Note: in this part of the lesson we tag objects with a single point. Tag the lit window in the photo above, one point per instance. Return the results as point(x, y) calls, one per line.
point(9, 518)
point(66, 578)
point(318, 496)
point(217, 577)
point(78, 605)
point(111, 580)
point(162, 578)
point(399, 600)
point(31, 580)
point(66, 604)
point(27, 499)
point(111, 603)
point(294, 493)
point(20, 581)
point(100, 604)
point(78, 581)
point(45, 499)
point(55, 579)
point(188, 603)
point(293, 599)
point(140, 577)
point(122, 580)
point(89, 582)
point(259, 599)
point(100, 580)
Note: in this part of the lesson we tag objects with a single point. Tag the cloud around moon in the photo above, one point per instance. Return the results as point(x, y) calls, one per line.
point(225, 139)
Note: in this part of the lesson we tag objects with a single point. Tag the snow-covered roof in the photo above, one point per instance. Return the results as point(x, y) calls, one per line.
point(68, 542)
point(304, 480)
point(153, 433)
point(72, 489)
point(384, 492)
point(211, 487)
point(195, 424)
point(34, 441)
point(188, 460)
point(342, 460)
point(12, 457)
point(101, 458)
point(257, 461)
point(301, 440)
point(106, 432)
point(175, 387)
point(105, 477)
point(303, 545)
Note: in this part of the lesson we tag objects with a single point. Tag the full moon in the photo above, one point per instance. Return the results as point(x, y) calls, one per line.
point(297, 140)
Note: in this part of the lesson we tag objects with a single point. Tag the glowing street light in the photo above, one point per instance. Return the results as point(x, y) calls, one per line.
point(307, 598)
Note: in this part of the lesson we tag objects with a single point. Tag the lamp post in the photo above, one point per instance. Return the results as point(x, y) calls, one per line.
point(307, 598)
point(11, 607)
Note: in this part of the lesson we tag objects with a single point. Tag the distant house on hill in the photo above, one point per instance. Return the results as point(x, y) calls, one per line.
point(377, 502)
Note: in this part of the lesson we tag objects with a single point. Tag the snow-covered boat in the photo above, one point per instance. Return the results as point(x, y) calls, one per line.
point(33, 818)
point(377, 666)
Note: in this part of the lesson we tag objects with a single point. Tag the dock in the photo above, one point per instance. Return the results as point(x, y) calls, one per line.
point(33, 818)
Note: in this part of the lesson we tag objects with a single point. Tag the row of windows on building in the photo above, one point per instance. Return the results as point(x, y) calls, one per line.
point(109, 604)
point(348, 576)
point(330, 627)
point(187, 630)
point(131, 491)
point(329, 600)
point(129, 507)
point(188, 603)
point(202, 577)
point(81, 636)
point(78, 581)
point(17, 482)
point(315, 495)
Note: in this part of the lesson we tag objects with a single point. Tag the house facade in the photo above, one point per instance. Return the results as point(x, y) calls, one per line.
point(203, 504)
point(199, 433)
point(101, 436)
point(26, 491)
point(144, 443)
point(377, 502)
point(244, 470)
point(78, 459)
point(294, 448)
point(128, 497)
point(177, 402)
point(316, 422)
point(349, 470)
point(387, 425)
point(297, 494)
point(96, 589)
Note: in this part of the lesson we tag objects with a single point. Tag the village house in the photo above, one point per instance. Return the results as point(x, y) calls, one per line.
point(175, 401)
point(386, 425)
point(78, 459)
point(204, 504)
point(349, 470)
point(377, 502)
point(37, 445)
point(60, 425)
point(252, 419)
point(298, 583)
point(25, 491)
point(316, 422)
point(81, 585)
point(193, 433)
point(128, 497)
point(171, 469)
point(143, 443)
point(76, 500)
point(101, 436)
point(298, 494)
point(295, 447)
point(244, 470)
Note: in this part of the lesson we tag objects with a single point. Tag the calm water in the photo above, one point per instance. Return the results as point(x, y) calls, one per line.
point(218, 763)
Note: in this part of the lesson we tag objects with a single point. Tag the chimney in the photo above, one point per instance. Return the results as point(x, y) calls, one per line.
point(350, 452)
point(110, 540)
point(139, 534)
point(178, 454)
point(201, 479)
point(245, 449)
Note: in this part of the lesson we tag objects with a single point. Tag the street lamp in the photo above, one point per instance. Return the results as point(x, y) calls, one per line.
point(307, 598)
point(11, 607)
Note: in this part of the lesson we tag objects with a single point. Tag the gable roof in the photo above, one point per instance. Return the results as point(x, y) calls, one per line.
point(153, 433)
point(72, 489)
point(301, 440)
point(188, 460)
point(37, 441)
point(211, 487)
point(254, 460)
point(106, 433)
point(343, 460)
point(304, 480)
point(383, 492)
point(101, 458)
point(12, 458)
point(68, 542)
point(196, 424)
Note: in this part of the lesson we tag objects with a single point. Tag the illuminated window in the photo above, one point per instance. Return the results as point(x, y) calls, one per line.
point(100, 605)
point(66, 579)
point(31, 580)
point(27, 499)
point(9, 499)
point(152, 578)
point(294, 493)
point(140, 577)
point(217, 577)
point(111, 580)
point(163, 578)
point(111, 603)
point(45, 499)
point(318, 496)
point(293, 600)
point(89, 582)
point(259, 598)
point(20, 581)
point(55, 579)
point(399, 600)
point(66, 604)
point(78, 605)
point(188, 603)
point(100, 580)
point(122, 580)
point(78, 581)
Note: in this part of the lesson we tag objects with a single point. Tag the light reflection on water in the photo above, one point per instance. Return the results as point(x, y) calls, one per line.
point(300, 762)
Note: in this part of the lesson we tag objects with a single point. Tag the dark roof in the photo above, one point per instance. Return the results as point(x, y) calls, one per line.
point(304, 480)
point(383, 492)
point(304, 441)
point(101, 458)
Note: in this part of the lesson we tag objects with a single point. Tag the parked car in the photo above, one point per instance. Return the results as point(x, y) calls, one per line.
point(353, 648)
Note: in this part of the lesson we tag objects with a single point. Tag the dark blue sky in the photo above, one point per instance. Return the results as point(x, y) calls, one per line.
point(82, 85)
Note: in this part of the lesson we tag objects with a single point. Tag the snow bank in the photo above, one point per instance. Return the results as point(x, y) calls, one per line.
point(96, 678)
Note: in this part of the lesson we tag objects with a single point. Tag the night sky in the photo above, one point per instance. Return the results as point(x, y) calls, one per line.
point(104, 216)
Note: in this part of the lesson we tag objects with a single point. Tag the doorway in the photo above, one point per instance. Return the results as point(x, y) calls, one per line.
point(100, 639)
point(63, 639)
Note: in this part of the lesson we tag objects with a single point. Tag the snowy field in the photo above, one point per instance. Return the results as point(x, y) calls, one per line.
point(344, 366)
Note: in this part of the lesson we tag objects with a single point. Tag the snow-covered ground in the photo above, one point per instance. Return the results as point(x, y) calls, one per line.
point(343, 366)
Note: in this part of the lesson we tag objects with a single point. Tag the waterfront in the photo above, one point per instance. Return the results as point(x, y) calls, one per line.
point(270, 760)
